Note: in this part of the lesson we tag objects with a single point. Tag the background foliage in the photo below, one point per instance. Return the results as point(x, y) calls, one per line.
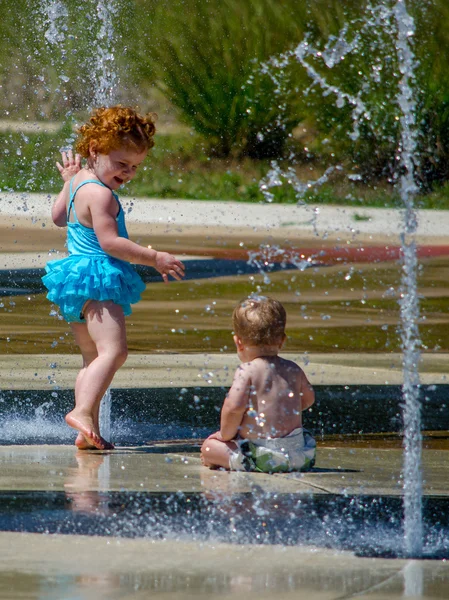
point(200, 63)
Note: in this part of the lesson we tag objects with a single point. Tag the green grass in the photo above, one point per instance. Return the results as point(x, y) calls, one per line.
point(179, 167)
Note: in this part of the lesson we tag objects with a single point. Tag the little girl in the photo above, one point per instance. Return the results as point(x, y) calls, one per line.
point(95, 285)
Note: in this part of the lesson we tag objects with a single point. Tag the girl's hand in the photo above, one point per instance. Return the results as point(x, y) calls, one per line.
point(70, 166)
point(167, 265)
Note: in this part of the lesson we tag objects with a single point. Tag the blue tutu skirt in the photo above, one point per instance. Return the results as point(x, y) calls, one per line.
point(74, 280)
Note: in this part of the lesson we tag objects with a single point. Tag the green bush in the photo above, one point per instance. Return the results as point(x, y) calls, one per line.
point(347, 60)
point(207, 56)
point(372, 74)
point(432, 48)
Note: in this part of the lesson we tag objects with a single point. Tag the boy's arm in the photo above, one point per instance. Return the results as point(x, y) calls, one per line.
point(307, 393)
point(235, 405)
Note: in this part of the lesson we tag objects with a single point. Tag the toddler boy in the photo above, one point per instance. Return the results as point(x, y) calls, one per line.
point(261, 425)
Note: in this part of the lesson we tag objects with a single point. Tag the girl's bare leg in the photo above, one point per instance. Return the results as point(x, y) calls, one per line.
point(105, 326)
point(89, 353)
point(216, 453)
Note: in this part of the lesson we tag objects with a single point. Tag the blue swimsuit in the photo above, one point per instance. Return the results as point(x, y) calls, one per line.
point(88, 273)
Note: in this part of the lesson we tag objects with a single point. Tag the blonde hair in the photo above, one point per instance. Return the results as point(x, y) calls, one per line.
point(114, 127)
point(259, 321)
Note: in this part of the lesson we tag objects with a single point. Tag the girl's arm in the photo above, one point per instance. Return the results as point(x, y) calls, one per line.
point(59, 208)
point(235, 405)
point(70, 167)
point(103, 209)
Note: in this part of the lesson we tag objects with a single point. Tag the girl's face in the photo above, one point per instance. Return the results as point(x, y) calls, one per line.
point(117, 167)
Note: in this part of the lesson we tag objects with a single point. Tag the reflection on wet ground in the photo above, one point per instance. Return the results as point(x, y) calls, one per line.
point(329, 521)
point(366, 525)
point(347, 307)
point(350, 501)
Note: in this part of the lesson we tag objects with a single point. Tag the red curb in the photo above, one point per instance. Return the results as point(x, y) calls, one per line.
point(325, 255)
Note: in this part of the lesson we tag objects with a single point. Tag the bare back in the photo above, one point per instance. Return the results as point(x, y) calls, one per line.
point(276, 391)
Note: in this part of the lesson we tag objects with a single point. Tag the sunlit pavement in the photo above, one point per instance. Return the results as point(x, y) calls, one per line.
point(53, 371)
point(177, 216)
point(176, 467)
point(102, 568)
point(51, 482)
point(47, 564)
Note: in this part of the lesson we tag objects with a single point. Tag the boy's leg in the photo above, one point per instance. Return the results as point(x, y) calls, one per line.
point(106, 327)
point(216, 453)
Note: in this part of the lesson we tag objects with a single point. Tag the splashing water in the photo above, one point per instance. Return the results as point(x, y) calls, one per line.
point(105, 415)
point(53, 18)
point(101, 65)
point(104, 85)
point(275, 176)
point(267, 255)
point(55, 15)
point(393, 20)
point(104, 77)
point(409, 304)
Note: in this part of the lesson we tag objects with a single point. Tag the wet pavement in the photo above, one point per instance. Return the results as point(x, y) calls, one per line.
point(137, 569)
point(150, 521)
point(176, 467)
point(147, 520)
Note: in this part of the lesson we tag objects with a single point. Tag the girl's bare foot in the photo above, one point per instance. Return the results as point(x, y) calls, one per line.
point(85, 425)
point(82, 444)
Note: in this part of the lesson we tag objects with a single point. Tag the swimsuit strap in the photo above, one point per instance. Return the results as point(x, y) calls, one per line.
point(71, 202)
point(73, 194)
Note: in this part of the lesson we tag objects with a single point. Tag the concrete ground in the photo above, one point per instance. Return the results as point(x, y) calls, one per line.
point(180, 218)
point(33, 372)
point(52, 565)
point(108, 569)
point(68, 566)
point(64, 567)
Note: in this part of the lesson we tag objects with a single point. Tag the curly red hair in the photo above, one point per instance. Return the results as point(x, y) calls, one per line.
point(116, 127)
